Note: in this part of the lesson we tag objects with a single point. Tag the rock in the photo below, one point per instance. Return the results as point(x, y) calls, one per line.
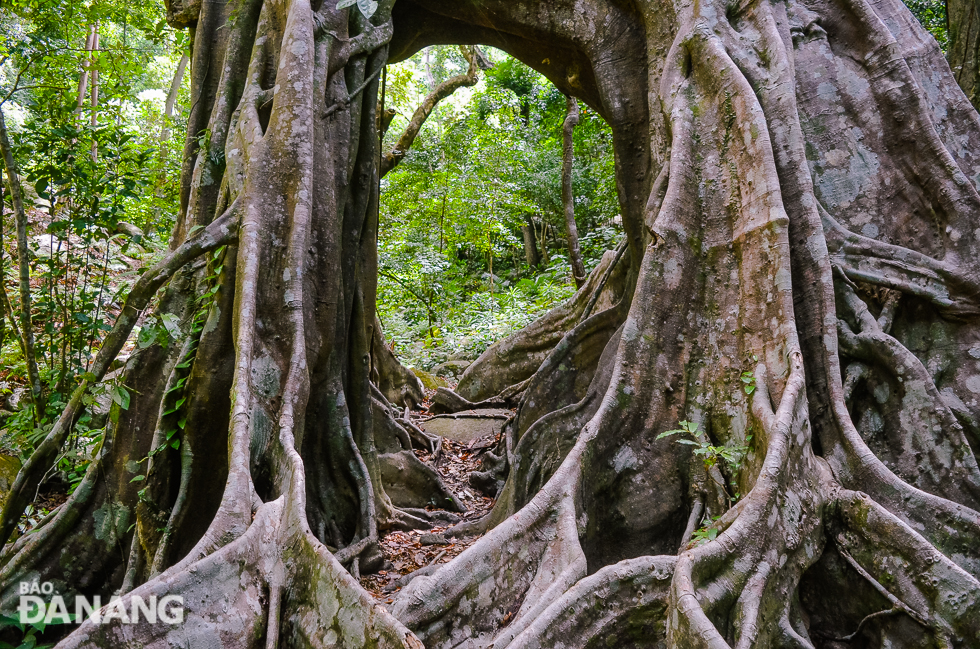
point(468, 426)
point(452, 369)
point(433, 539)
point(44, 245)
point(15, 399)
point(128, 228)
point(463, 355)
point(9, 466)
point(410, 483)
point(430, 381)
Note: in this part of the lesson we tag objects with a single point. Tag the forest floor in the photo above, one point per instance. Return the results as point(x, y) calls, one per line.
point(406, 552)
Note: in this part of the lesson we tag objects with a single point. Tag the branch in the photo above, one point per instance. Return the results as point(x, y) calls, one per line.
point(343, 103)
point(220, 232)
point(896, 603)
point(605, 278)
point(391, 159)
point(406, 287)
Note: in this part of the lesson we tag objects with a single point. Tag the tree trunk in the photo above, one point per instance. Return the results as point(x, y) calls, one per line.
point(3, 265)
point(530, 244)
point(86, 64)
point(819, 350)
point(94, 92)
point(168, 109)
point(23, 262)
point(963, 18)
point(567, 197)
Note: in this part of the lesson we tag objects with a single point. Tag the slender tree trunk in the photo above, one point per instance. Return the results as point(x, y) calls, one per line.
point(963, 51)
point(23, 261)
point(86, 65)
point(168, 108)
point(543, 239)
point(164, 138)
point(567, 197)
point(530, 244)
point(94, 99)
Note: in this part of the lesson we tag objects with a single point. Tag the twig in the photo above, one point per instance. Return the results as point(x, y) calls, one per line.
point(436, 559)
point(344, 102)
point(895, 602)
point(867, 618)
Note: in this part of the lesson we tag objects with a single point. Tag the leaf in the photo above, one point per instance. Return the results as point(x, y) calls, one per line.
point(343, 4)
point(367, 7)
point(147, 337)
point(175, 443)
point(194, 230)
point(172, 323)
point(749, 389)
point(687, 441)
point(138, 478)
point(121, 396)
point(713, 533)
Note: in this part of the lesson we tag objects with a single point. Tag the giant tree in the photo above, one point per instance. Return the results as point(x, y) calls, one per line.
point(797, 181)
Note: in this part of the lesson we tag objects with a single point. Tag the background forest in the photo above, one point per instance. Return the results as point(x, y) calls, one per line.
point(94, 104)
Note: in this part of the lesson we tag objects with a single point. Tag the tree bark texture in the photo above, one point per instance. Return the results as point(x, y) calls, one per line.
point(530, 244)
point(963, 18)
point(567, 194)
point(23, 263)
point(798, 183)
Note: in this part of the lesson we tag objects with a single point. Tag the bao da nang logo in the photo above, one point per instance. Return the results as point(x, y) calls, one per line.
point(40, 603)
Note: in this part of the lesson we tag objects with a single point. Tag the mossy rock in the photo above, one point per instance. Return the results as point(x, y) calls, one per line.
point(430, 381)
point(9, 466)
point(453, 369)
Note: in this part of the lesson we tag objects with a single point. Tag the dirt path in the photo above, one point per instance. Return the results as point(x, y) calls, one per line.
point(406, 552)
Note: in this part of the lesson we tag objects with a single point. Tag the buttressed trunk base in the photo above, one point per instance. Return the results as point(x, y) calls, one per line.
point(798, 183)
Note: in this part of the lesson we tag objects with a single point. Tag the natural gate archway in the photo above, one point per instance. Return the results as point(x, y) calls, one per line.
point(799, 189)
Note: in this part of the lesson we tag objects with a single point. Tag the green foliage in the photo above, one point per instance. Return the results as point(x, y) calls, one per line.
point(732, 455)
point(705, 533)
point(748, 381)
point(932, 15)
point(453, 272)
point(88, 170)
point(30, 632)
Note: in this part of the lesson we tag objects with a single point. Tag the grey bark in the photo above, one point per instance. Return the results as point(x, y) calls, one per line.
point(963, 18)
point(763, 153)
point(530, 244)
point(23, 262)
point(567, 195)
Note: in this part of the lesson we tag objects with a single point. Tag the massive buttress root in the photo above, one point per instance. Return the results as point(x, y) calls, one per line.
point(799, 190)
